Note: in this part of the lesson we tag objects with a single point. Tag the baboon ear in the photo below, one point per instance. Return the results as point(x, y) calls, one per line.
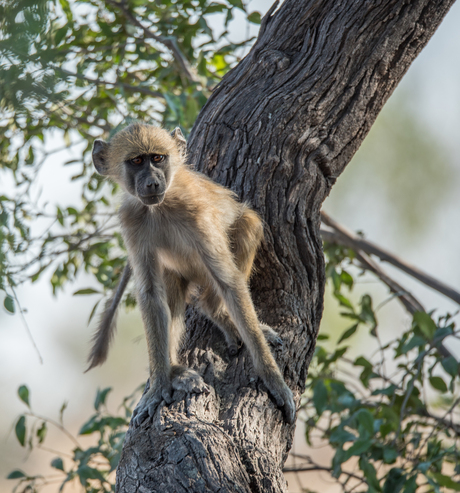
point(181, 143)
point(99, 157)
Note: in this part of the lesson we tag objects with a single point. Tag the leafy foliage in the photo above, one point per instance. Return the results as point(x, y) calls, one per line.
point(77, 70)
point(81, 69)
point(93, 467)
point(392, 416)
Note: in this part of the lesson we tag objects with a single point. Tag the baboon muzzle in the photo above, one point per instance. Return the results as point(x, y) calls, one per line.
point(151, 189)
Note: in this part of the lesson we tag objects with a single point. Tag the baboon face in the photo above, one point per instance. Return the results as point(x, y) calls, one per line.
point(142, 159)
point(147, 177)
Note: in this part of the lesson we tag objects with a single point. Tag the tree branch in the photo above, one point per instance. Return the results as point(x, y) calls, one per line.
point(357, 243)
point(342, 236)
point(279, 129)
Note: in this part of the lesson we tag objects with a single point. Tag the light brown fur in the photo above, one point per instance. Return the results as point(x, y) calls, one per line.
point(192, 234)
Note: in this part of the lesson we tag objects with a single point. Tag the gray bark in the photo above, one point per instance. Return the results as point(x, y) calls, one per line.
point(279, 130)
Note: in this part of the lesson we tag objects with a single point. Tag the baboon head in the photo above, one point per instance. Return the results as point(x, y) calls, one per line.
point(142, 159)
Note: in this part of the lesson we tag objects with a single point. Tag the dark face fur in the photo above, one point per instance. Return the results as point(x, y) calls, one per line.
point(147, 177)
point(142, 158)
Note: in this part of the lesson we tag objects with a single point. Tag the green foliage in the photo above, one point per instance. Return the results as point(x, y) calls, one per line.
point(391, 416)
point(78, 70)
point(83, 69)
point(92, 466)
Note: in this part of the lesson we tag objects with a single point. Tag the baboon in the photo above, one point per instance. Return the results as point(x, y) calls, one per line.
point(184, 234)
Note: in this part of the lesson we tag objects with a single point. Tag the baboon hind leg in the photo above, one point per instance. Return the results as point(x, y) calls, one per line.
point(246, 238)
point(247, 233)
point(213, 307)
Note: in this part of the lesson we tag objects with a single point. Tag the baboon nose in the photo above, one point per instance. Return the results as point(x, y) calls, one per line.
point(152, 183)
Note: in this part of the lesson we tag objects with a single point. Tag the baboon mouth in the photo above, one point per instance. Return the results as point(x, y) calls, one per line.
point(151, 199)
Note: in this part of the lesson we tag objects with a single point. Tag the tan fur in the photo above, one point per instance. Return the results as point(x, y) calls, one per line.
point(195, 235)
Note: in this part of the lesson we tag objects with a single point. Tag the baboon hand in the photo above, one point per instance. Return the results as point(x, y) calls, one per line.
point(150, 401)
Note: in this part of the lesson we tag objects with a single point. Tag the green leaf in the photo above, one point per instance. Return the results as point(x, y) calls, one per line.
point(438, 384)
point(370, 474)
point(365, 421)
point(86, 472)
point(93, 312)
point(395, 481)
point(16, 474)
point(8, 303)
point(60, 34)
point(86, 291)
point(57, 463)
point(20, 430)
point(446, 481)
point(367, 313)
point(341, 436)
point(415, 341)
point(450, 364)
point(359, 447)
point(238, 4)
point(23, 393)
point(411, 485)
point(254, 17)
point(101, 397)
point(93, 424)
point(343, 300)
point(61, 411)
point(348, 333)
point(41, 432)
point(390, 455)
point(425, 324)
point(320, 397)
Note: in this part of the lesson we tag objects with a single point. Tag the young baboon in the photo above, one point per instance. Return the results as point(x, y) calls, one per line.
point(182, 231)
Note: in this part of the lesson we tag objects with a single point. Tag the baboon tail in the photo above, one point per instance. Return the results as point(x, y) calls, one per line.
point(107, 324)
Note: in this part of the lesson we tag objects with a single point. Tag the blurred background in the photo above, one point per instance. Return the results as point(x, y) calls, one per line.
point(401, 189)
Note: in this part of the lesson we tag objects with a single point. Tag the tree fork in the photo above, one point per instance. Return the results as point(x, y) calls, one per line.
point(279, 129)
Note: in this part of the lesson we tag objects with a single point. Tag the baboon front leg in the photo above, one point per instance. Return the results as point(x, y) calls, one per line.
point(157, 319)
point(182, 378)
point(241, 309)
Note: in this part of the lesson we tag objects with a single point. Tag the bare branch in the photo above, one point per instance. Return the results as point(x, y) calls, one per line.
point(356, 242)
point(342, 236)
point(313, 466)
point(169, 43)
point(406, 298)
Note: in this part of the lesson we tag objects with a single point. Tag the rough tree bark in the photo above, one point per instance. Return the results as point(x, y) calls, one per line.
point(279, 130)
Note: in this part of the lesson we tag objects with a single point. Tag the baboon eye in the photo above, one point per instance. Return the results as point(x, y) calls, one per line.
point(137, 160)
point(157, 158)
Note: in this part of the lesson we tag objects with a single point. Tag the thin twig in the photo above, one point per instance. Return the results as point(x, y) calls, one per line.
point(313, 466)
point(59, 426)
point(406, 298)
point(24, 321)
point(100, 82)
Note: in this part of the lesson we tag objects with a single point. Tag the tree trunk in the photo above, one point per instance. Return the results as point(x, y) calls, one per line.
point(279, 129)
